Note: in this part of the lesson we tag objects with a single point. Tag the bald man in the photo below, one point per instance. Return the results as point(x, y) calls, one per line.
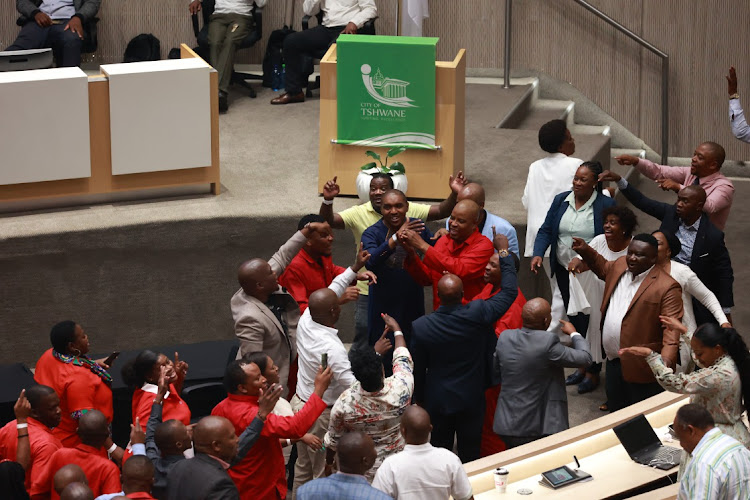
point(265, 315)
point(355, 456)
point(66, 475)
point(465, 252)
point(703, 171)
point(434, 473)
point(91, 455)
point(487, 221)
point(529, 363)
point(452, 352)
point(77, 491)
point(317, 335)
point(703, 247)
point(205, 475)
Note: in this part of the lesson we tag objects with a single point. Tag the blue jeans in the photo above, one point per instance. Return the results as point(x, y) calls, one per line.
point(65, 45)
point(360, 321)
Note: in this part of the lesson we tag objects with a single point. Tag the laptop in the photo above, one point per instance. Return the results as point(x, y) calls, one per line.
point(644, 447)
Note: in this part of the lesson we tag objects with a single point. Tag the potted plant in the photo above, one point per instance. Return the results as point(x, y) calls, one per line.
point(395, 170)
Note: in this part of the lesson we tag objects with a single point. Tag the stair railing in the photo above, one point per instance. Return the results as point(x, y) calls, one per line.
point(619, 27)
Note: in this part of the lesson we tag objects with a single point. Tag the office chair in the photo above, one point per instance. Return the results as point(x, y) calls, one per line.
point(256, 33)
point(367, 29)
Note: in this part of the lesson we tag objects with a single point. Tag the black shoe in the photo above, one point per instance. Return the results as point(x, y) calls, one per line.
point(223, 102)
point(575, 378)
point(588, 385)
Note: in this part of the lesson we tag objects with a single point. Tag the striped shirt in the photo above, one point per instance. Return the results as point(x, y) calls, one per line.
point(719, 468)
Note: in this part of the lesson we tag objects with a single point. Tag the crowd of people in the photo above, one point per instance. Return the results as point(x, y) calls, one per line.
point(306, 417)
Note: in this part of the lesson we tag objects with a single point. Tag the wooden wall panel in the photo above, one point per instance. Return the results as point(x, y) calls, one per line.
point(557, 37)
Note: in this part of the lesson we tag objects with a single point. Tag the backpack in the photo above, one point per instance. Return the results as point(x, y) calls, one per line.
point(144, 47)
point(273, 56)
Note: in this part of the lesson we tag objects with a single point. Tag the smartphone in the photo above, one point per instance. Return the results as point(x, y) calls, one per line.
point(324, 360)
point(111, 358)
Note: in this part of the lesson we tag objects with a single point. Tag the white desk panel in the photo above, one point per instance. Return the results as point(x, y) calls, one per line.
point(44, 130)
point(160, 115)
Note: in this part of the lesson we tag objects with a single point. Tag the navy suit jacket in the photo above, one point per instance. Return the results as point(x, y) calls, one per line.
point(710, 260)
point(452, 349)
point(547, 235)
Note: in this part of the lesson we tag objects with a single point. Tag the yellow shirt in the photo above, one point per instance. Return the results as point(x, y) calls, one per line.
point(360, 217)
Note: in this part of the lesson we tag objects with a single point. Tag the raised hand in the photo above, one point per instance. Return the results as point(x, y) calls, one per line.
point(163, 386)
point(368, 276)
point(731, 80)
point(180, 367)
point(268, 399)
point(350, 294)
point(331, 189)
point(626, 160)
point(383, 344)
point(391, 325)
point(673, 324)
point(457, 183)
point(668, 185)
point(439, 233)
point(362, 257)
point(312, 441)
point(500, 241)
point(22, 408)
point(609, 175)
point(323, 380)
point(567, 327)
point(137, 435)
point(578, 244)
point(416, 225)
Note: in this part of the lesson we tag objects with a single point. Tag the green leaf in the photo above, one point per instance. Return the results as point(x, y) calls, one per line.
point(398, 166)
point(373, 154)
point(394, 151)
point(368, 166)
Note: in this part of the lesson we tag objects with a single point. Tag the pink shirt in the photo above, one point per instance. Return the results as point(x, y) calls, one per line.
point(719, 189)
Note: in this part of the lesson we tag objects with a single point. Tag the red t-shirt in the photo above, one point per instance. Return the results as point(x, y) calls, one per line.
point(491, 442)
point(304, 275)
point(261, 474)
point(78, 389)
point(466, 260)
point(43, 444)
point(103, 475)
point(173, 406)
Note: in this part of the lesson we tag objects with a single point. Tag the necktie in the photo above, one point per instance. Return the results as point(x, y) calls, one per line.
point(697, 182)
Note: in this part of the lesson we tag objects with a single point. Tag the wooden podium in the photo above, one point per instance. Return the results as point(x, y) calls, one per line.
point(427, 170)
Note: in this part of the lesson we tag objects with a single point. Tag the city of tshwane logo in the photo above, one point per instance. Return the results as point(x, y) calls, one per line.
point(389, 91)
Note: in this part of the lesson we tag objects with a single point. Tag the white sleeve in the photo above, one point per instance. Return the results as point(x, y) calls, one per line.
point(384, 479)
point(695, 287)
point(740, 128)
point(460, 485)
point(341, 282)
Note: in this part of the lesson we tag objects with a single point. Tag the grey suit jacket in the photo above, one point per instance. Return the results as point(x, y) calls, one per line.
point(256, 325)
point(201, 477)
point(529, 364)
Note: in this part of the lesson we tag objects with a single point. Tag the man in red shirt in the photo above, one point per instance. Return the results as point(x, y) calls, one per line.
point(312, 268)
point(45, 414)
point(464, 253)
point(491, 442)
point(261, 474)
point(102, 474)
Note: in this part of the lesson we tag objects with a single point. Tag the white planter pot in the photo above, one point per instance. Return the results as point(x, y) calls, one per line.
point(363, 183)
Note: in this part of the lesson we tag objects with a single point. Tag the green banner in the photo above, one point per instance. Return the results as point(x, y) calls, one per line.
point(386, 91)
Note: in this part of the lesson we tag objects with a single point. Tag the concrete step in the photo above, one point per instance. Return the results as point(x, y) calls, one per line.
point(544, 110)
point(578, 129)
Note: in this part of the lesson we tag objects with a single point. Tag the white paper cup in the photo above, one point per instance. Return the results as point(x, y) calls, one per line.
point(501, 479)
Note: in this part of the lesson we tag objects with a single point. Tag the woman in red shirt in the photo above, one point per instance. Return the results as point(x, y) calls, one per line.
point(81, 383)
point(142, 374)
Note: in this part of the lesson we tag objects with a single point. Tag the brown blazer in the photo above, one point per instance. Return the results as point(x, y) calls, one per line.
point(257, 326)
point(659, 294)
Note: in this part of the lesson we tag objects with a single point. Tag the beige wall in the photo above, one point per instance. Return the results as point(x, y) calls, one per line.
point(554, 36)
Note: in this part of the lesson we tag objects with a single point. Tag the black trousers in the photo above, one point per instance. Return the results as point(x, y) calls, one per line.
point(465, 427)
point(580, 321)
point(65, 45)
point(300, 47)
point(515, 441)
point(620, 393)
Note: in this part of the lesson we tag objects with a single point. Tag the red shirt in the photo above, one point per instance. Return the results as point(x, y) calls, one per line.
point(43, 444)
point(102, 473)
point(491, 442)
point(261, 474)
point(304, 275)
point(140, 495)
point(173, 406)
point(78, 389)
point(466, 260)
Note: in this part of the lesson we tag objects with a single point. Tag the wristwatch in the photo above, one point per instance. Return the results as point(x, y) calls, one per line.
point(503, 253)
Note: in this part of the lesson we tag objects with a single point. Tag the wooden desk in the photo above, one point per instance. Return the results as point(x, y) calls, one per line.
point(665, 493)
point(596, 447)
